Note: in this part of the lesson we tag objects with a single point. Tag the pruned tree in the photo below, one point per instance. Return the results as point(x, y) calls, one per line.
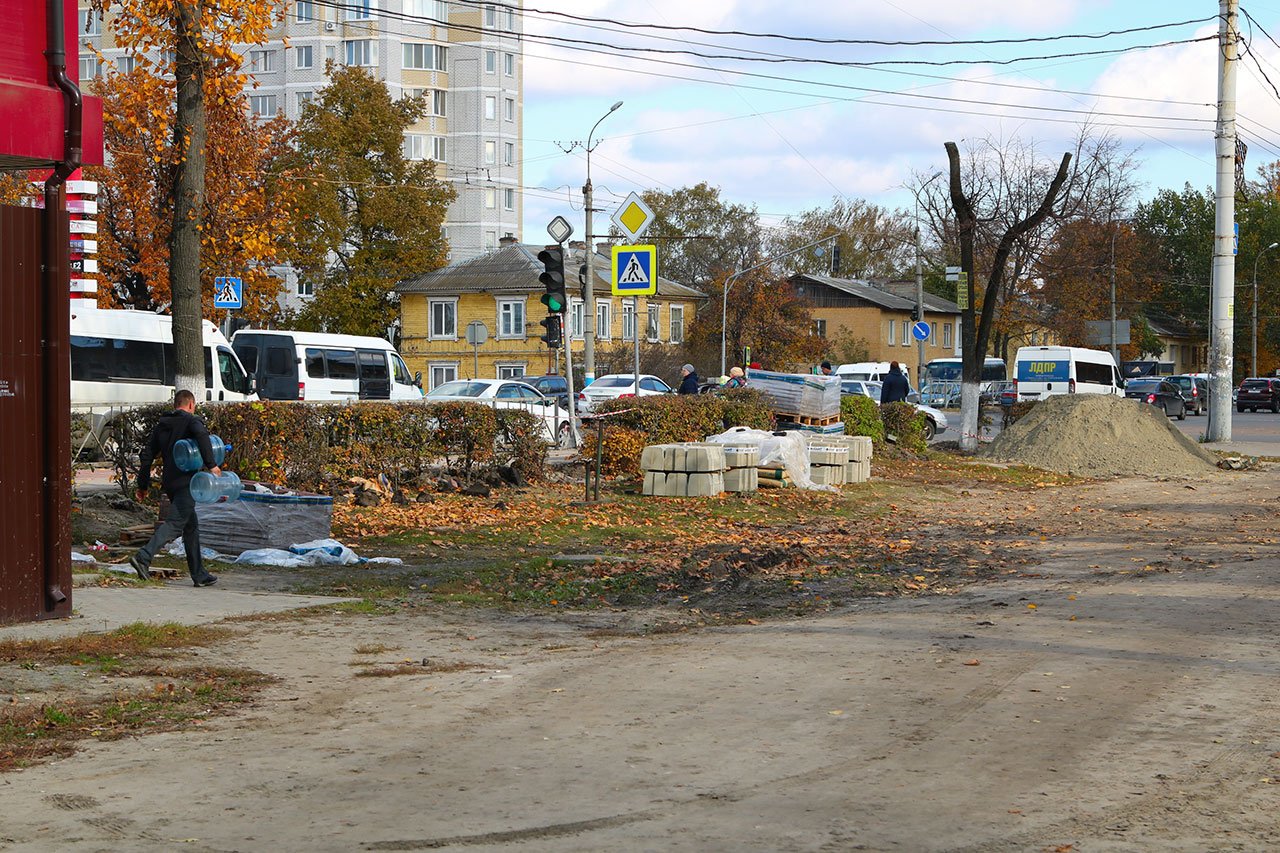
point(196, 41)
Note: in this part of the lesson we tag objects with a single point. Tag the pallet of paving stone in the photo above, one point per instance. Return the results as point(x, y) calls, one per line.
point(799, 394)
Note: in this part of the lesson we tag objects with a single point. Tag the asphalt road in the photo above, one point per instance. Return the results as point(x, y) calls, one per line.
point(1246, 427)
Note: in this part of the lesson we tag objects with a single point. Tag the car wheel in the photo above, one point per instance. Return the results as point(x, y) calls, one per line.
point(1253, 408)
point(930, 429)
point(1275, 407)
point(1239, 408)
point(1182, 412)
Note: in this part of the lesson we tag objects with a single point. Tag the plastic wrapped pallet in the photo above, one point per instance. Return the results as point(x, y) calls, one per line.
point(782, 450)
point(798, 393)
point(260, 520)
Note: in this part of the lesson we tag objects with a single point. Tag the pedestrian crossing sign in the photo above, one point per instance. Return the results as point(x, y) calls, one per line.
point(635, 270)
point(228, 293)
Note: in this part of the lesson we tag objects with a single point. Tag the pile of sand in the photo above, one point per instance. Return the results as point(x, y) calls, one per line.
point(1089, 435)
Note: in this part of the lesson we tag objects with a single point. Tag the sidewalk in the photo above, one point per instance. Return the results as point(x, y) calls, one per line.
point(1244, 448)
point(96, 609)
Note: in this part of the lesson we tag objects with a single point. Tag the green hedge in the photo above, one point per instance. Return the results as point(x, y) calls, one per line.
point(861, 416)
point(308, 446)
point(906, 424)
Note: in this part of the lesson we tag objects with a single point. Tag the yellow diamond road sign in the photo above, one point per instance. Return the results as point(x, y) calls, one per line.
point(634, 217)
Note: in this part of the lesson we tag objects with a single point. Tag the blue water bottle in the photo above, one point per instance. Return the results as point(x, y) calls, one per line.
point(207, 489)
point(186, 453)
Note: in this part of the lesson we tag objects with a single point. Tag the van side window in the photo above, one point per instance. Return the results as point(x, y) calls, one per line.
point(278, 361)
point(341, 363)
point(373, 364)
point(107, 359)
point(248, 356)
point(1096, 374)
point(314, 362)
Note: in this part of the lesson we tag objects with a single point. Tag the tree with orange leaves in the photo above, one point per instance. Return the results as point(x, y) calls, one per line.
point(201, 36)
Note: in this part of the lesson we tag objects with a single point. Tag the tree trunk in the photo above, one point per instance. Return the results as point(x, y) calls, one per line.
point(188, 202)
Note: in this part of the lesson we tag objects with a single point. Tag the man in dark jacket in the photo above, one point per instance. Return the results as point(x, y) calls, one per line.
point(181, 521)
point(895, 387)
point(688, 380)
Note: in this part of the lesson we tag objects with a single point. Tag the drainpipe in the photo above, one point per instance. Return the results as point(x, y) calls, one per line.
point(55, 323)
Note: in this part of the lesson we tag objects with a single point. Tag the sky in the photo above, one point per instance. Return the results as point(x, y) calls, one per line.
point(797, 135)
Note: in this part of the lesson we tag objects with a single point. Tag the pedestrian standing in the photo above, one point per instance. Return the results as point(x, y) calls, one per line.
point(181, 519)
point(825, 367)
point(688, 380)
point(737, 379)
point(896, 387)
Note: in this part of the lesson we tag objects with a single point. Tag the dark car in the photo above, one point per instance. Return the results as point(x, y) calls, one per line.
point(1195, 391)
point(1258, 393)
point(553, 386)
point(1161, 393)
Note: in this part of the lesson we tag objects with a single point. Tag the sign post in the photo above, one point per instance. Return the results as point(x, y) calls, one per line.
point(635, 273)
point(477, 334)
point(228, 293)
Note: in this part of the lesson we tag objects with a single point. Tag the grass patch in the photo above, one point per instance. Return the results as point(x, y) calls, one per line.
point(108, 651)
point(374, 649)
point(425, 668)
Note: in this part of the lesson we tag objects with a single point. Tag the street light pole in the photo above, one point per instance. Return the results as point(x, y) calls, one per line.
point(724, 302)
point(589, 289)
point(920, 345)
point(1254, 347)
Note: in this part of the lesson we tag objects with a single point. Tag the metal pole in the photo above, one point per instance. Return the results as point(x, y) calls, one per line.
point(589, 290)
point(1115, 347)
point(919, 304)
point(475, 367)
point(1221, 359)
point(1253, 348)
point(635, 333)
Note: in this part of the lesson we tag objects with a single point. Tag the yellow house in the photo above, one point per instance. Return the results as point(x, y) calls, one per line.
point(880, 318)
point(501, 291)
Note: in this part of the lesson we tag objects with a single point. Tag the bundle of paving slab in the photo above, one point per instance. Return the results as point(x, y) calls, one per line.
point(698, 470)
point(835, 460)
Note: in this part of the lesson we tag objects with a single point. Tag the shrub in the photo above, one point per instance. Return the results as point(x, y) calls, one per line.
point(620, 455)
point(307, 446)
point(861, 416)
point(905, 423)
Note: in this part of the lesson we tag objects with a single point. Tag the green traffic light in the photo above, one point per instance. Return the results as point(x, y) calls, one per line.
point(553, 302)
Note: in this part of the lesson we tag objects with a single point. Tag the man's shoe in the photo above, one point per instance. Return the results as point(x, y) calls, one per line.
point(207, 580)
point(144, 573)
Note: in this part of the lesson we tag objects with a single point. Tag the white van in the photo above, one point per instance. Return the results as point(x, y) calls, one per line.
point(121, 359)
point(869, 371)
point(324, 368)
point(1041, 372)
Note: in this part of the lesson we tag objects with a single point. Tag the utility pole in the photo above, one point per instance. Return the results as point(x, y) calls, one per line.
point(1221, 373)
point(1115, 347)
point(589, 291)
point(919, 310)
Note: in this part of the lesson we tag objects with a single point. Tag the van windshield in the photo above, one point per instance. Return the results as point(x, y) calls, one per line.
point(947, 371)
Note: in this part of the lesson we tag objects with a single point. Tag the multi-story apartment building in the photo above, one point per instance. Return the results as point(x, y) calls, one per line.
point(464, 58)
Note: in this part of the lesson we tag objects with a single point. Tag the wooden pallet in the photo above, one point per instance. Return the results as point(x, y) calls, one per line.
point(806, 420)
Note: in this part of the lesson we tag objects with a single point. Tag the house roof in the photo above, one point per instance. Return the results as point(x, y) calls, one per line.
point(1168, 327)
point(877, 296)
point(514, 268)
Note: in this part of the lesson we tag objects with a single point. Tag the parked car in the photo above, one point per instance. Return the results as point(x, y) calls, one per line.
point(509, 394)
point(1194, 390)
point(616, 385)
point(1258, 392)
point(934, 420)
point(552, 385)
point(1161, 393)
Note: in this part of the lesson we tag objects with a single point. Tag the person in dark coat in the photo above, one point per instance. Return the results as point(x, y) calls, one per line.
point(688, 380)
point(896, 387)
point(181, 520)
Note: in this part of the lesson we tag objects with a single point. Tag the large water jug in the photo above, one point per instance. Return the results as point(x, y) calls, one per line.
point(207, 489)
point(186, 453)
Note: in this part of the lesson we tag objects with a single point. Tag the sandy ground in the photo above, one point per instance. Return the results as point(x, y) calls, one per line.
point(1133, 708)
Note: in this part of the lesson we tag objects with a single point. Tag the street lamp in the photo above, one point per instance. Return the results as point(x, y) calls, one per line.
point(920, 358)
point(724, 302)
point(589, 289)
point(1254, 347)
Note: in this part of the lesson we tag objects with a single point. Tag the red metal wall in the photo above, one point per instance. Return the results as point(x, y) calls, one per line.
point(25, 528)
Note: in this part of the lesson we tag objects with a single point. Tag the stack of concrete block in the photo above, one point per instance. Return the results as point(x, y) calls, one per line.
point(827, 464)
point(683, 470)
point(858, 468)
point(742, 474)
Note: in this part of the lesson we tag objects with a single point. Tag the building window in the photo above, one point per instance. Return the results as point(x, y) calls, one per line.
point(509, 153)
point(491, 16)
point(125, 64)
point(305, 98)
point(359, 52)
point(442, 372)
point(444, 319)
point(262, 61)
point(677, 324)
point(305, 288)
point(490, 241)
point(629, 320)
point(437, 148)
point(490, 107)
point(90, 23)
point(304, 11)
point(438, 102)
point(168, 58)
point(820, 328)
point(508, 199)
point(510, 371)
point(509, 64)
point(653, 332)
point(906, 333)
point(933, 334)
point(359, 10)
point(303, 57)
point(89, 67)
point(436, 10)
point(893, 332)
point(509, 109)
point(604, 319)
point(511, 19)
point(490, 62)
point(511, 318)
point(263, 106)
point(415, 146)
point(490, 198)
point(490, 152)
point(946, 336)
point(577, 318)
point(424, 57)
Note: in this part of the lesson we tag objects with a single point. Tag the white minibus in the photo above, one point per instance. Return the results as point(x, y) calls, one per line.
point(324, 368)
point(1041, 372)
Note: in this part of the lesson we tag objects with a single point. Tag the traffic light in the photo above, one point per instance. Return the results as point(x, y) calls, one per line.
point(552, 259)
point(555, 335)
point(915, 313)
point(835, 261)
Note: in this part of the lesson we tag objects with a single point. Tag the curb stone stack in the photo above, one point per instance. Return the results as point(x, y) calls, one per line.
point(683, 470)
point(742, 475)
point(858, 468)
point(827, 463)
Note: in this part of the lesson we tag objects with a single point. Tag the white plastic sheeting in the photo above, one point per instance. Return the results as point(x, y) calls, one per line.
point(320, 552)
point(788, 449)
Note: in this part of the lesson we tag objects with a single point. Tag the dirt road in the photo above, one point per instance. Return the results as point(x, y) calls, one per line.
point(1120, 695)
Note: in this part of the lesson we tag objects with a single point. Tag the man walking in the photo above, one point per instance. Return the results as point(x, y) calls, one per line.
point(169, 430)
point(896, 387)
point(688, 380)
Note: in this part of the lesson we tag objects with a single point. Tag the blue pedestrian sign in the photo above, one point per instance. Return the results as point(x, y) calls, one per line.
point(920, 331)
point(228, 292)
point(635, 270)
